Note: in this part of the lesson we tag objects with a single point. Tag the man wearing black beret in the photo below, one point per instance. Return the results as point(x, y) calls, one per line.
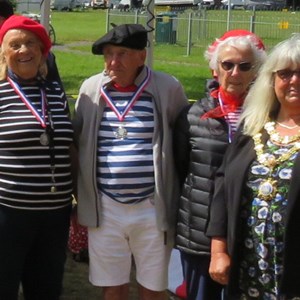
point(127, 184)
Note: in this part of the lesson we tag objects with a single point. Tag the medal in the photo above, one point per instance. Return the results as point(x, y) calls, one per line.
point(121, 133)
point(44, 139)
point(267, 189)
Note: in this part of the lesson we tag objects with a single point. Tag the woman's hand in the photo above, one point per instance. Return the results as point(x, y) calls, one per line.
point(220, 261)
point(219, 267)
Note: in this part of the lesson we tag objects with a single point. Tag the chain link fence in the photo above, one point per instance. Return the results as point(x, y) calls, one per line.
point(189, 30)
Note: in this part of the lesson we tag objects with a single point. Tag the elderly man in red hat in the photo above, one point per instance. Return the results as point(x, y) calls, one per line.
point(202, 133)
point(127, 184)
point(35, 165)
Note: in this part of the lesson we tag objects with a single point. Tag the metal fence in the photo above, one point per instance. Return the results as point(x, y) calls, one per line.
point(189, 30)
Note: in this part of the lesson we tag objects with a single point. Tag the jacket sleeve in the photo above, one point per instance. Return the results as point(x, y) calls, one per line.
point(181, 144)
point(217, 220)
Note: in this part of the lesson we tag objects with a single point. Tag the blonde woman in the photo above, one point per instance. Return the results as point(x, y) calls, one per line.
point(254, 222)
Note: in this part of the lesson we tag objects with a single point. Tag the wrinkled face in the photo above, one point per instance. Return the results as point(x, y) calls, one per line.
point(287, 88)
point(22, 52)
point(122, 64)
point(236, 69)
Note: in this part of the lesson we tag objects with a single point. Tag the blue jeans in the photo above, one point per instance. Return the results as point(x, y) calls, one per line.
point(33, 252)
point(199, 284)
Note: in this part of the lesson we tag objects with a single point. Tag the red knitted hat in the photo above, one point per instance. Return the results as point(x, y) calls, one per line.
point(236, 33)
point(21, 22)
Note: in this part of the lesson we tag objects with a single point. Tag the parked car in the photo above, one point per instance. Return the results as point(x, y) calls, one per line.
point(98, 4)
point(234, 4)
point(124, 5)
point(208, 4)
point(264, 5)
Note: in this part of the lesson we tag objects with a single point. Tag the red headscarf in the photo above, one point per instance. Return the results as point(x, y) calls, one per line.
point(230, 104)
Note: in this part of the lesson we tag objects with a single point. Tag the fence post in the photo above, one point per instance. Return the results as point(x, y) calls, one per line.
point(189, 42)
point(107, 19)
point(252, 21)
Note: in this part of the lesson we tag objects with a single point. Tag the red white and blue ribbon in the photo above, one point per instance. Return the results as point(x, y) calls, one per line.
point(40, 117)
point(136, 95)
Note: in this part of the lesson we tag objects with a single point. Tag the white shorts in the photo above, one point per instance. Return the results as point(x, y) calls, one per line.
point(128, 230)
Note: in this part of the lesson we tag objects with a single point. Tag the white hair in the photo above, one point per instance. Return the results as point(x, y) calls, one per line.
point(239, 42)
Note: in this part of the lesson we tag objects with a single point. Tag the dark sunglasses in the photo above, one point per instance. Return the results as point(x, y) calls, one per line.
point(287, 74)
point(229, 66)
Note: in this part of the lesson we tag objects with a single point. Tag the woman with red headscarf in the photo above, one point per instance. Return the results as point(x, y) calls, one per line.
point(201, 136)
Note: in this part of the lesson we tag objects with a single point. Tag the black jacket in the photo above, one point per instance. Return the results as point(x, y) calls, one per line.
point(199, 147)
point(230, 192)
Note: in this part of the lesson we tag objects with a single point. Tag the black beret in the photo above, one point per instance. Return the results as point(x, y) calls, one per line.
point(132, 36)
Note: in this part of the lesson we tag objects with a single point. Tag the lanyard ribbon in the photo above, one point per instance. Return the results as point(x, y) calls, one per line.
point(40, 117)
point(136, 95)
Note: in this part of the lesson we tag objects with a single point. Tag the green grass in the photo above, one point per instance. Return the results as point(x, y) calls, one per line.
point(74, 28)
point(76, 31)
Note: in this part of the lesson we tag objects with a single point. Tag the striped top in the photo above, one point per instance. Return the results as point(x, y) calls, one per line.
point(125, 169)
point(232, 119)
point(25, 174)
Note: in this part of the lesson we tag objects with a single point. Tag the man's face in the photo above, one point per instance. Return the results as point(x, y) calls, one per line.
point(122, 64)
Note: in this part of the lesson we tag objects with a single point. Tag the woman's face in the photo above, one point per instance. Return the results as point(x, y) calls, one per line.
point(236, 69)
point(287, 88)
point(22, 52)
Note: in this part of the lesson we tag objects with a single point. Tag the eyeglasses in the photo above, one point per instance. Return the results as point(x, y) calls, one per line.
point(287, 74)
point(229, 66)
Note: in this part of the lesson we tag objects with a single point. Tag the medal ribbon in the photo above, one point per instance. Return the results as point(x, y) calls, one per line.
point(40, 118)
point(136, 95)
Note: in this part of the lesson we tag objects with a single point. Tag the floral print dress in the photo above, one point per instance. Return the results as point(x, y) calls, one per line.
point(263, 229)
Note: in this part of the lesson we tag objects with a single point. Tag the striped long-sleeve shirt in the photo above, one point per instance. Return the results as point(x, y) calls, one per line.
point(26, 176)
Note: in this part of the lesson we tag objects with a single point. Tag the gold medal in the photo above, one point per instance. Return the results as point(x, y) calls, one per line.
point(267, 189)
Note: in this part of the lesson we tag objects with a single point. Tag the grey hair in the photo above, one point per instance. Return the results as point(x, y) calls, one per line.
point(261, 103)
point(239, 42)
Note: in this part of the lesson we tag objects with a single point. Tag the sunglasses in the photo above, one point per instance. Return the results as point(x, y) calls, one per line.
point(229, 66)
point(287, 74)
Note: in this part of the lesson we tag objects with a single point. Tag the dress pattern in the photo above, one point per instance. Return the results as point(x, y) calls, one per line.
point(263, 229)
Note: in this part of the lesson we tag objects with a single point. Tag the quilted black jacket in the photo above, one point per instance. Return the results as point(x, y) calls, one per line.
point(199, 147)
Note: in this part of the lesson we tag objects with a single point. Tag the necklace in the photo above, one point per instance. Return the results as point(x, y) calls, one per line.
point(268, 187)
point(286, 126)
point(277, 138)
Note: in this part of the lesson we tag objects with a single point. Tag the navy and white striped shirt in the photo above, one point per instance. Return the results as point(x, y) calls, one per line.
point(25, 174)
point(125, 169)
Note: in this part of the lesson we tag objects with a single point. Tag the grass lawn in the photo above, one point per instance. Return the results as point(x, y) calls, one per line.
point(76, 31)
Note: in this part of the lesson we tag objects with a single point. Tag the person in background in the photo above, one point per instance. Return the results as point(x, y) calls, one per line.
point(202, 133)
point(127, 184)
point(7, 10)
point(35, 166)
point(254, 221)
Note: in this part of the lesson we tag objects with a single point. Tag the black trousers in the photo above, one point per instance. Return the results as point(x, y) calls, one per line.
point(33, 252)
point(199, 284)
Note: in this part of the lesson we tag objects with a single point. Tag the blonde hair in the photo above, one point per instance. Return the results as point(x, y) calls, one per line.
point(261, 103)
